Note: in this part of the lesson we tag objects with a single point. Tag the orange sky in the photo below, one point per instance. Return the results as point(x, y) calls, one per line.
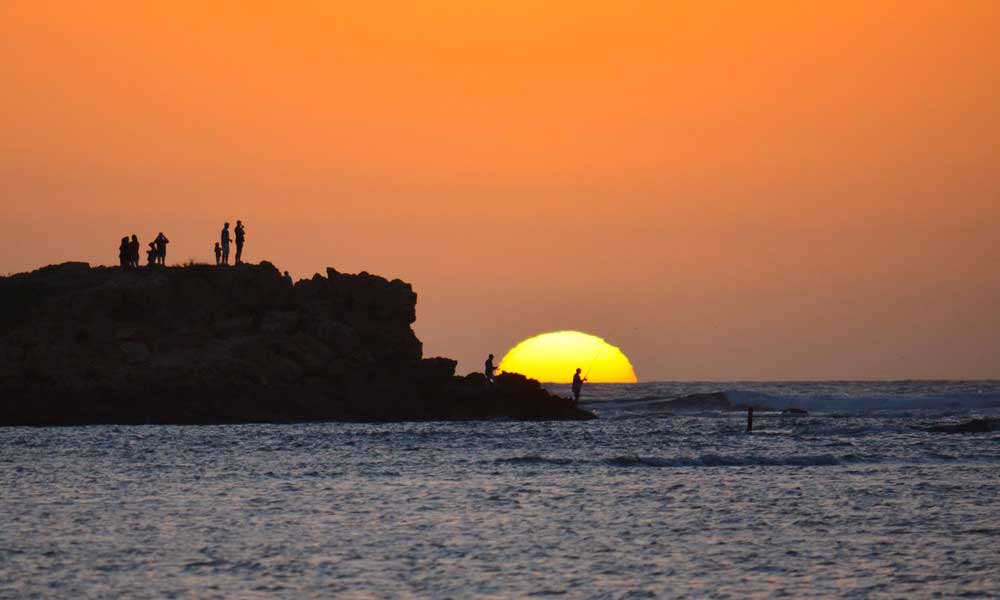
point(723, 189)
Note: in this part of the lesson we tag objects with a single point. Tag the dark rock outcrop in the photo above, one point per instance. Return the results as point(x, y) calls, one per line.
point(203, 344)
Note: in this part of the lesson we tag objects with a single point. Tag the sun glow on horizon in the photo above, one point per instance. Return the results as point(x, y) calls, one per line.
point(554, 357)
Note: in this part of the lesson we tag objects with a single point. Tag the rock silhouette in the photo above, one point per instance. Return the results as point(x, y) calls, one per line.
point(197, 344)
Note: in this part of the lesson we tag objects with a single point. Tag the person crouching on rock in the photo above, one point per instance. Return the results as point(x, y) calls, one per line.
point(577, 387)
point(151, 254)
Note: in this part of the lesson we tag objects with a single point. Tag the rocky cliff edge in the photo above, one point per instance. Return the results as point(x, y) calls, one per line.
point(204, 344)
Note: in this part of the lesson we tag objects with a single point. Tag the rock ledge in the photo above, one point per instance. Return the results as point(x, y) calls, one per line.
point(202, 344)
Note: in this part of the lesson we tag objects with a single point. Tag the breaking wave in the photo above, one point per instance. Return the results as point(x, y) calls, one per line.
point(702, 460)
point(848, 398)
point(868, 402)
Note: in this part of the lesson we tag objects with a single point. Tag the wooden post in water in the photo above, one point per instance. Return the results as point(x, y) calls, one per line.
point(749, 419)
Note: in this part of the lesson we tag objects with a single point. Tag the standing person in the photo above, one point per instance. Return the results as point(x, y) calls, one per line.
point(161, 242)
point(577, 387)
point(218, 254)
point(488, 370)
point(225, 243)
point(240, 238)
point(123, 253)
point(133, 251)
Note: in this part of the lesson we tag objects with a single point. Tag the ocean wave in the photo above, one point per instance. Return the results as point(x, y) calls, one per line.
point(719, 460)
point(848, 404)
point(863, 403)
point(534, 459)
point(701, 460)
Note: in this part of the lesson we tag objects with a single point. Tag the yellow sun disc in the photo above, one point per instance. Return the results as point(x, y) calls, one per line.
point(554, 357)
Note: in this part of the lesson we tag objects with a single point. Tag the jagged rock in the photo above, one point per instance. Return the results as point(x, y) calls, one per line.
point(203, 344)
point(340, 337)
point(280, 322)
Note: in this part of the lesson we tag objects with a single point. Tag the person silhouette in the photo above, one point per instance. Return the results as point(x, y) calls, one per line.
point(160, 244)
point(123, 254)
point(577, 386)
point(225, 243)
point(240, 238)
point(133, 251)
point(218, 254)
point(151, 254)
point(288, 278)
point(488, 370)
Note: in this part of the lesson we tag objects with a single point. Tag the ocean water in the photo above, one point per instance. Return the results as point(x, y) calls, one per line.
point(849, 501)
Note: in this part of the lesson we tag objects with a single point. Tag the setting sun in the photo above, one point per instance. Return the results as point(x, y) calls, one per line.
point(554, 357)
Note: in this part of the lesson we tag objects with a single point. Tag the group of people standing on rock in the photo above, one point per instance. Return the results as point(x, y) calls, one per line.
point(128, 251)
point(490, 371)
point(222, 246)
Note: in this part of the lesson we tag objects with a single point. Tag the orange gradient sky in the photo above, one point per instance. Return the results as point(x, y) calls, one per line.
point(724, 190)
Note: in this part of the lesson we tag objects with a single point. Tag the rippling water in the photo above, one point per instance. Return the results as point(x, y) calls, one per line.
point(847, 501)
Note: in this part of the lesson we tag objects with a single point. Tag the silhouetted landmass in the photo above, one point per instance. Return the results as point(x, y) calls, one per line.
point(202, 344)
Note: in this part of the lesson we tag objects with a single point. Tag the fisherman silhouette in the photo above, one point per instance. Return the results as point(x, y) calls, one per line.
point(123, 260)
point(225, 244)
point(488, 370)
point(577, 386)
point(218, 254)
point(160, 244)
point(240, 238)
point(133, 251)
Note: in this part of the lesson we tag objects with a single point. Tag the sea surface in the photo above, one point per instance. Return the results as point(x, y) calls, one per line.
point(849, 501)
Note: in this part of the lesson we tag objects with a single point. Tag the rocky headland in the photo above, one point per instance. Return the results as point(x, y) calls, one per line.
point(202, 344)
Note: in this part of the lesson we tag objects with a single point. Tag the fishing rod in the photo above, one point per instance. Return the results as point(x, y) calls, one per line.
point(600, 351)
